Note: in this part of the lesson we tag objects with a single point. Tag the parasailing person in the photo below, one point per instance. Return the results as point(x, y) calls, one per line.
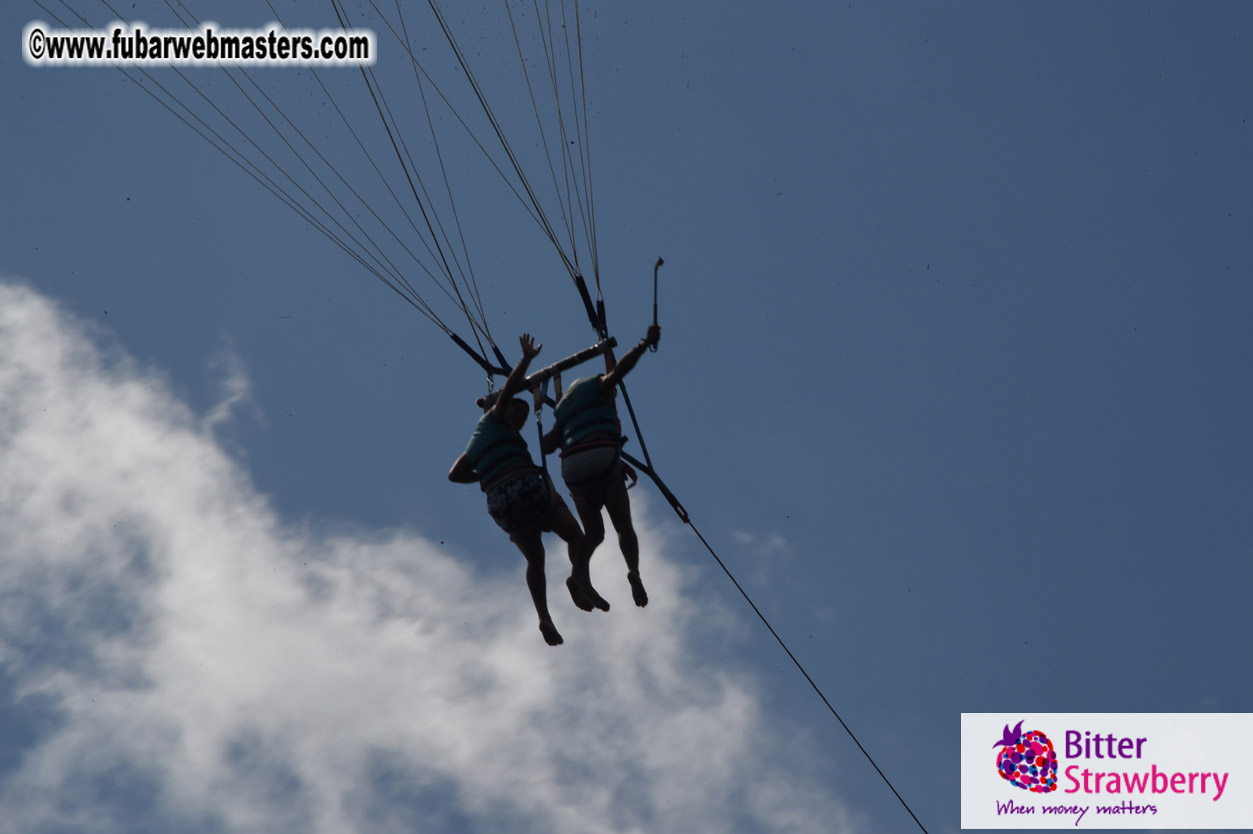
point(587, 429)
point(520, 497)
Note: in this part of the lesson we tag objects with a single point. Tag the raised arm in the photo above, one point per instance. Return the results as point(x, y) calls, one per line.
point(517, 377)
point(624, 365)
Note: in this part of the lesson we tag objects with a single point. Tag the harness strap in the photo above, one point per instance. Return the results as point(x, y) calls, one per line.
point(539, 394)
point(661, 486)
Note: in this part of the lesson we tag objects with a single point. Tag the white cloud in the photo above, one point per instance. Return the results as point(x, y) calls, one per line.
point(764, 557)
point(233, 384)
point(177, 658)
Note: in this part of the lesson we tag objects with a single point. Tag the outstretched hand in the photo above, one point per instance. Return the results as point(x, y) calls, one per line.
point(529, 348)
point(653, 336)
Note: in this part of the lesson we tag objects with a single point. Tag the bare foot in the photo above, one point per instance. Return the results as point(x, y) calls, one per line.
point(551, 636)
point(585, 596)
point(597, 600)
point(579, 595)
point(637, 589)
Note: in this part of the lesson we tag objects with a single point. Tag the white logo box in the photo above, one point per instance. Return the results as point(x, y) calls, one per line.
point(1115, 770)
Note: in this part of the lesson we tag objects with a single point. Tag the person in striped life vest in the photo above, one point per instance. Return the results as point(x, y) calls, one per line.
point(587, 429)
point(521, 498)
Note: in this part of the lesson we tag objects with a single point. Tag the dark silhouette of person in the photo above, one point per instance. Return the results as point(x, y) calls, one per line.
point(589, 433)
point(521, 498)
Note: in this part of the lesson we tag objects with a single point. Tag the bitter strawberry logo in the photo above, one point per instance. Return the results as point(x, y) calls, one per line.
point(1027, 760)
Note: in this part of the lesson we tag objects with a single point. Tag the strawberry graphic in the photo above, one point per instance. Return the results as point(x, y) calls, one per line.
point(1027, 760)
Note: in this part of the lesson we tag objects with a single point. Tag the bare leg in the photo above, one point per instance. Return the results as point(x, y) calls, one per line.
point(532, 548)
point(593, 524)
point(580, 581)
point(618, 504)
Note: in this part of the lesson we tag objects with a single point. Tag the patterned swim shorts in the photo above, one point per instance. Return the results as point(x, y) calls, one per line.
point(522, 503)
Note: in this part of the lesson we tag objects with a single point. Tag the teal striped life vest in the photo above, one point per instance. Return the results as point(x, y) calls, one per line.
point(496, 451)
point(585, 415)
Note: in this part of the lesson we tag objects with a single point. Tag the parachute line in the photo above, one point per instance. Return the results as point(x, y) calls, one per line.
point(371, 84)
point(585, 145)
point(578, 194)
point(540, 215)
point(473, 286)
point(647, 469)
point(812, 684)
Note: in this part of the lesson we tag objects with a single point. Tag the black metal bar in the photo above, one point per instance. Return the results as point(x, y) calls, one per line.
point(570, 361)
point(656, 267)
point(546, 373)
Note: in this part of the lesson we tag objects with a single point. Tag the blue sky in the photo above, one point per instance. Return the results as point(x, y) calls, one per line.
point(954, 375)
